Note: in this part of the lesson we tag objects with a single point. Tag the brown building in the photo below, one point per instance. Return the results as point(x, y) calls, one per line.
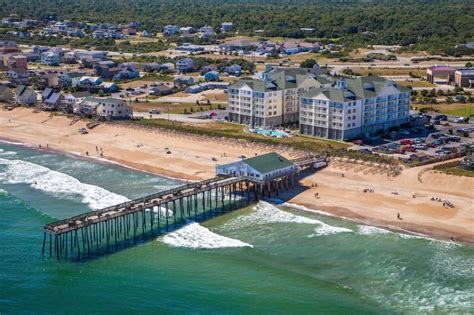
point(18, 63)
point(464, 77)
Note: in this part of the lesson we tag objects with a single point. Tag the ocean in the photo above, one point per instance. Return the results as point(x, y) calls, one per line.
point(259, 259)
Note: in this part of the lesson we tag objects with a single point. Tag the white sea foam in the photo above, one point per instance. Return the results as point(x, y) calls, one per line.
point(3, 192)
point(161, 212)
point(371, 230)
point(196, 236)
point(6, 153)
point(303, 208)
point(56, 183)
point(326, 229)
point(266, 213)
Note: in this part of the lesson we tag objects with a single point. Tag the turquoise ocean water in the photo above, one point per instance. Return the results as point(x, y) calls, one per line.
point(260, 259)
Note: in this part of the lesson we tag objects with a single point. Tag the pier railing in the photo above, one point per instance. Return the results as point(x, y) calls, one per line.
point(150, 214)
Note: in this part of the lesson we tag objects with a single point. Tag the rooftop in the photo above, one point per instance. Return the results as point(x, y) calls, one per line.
point(269, 162)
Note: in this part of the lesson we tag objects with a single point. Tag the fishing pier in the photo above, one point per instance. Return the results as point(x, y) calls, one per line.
point(99, 232)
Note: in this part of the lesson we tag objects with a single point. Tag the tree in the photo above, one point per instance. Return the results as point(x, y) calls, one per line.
point(308, 63)
point(468, 65)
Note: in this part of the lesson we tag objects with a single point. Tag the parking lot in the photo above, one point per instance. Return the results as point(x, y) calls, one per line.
point(422, 142)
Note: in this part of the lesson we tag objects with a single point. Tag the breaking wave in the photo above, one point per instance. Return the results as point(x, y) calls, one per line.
point(56, 183)
point(161, 212)
point(195, 236)
point(7, 153)
point(371, 230)
point(266, 213)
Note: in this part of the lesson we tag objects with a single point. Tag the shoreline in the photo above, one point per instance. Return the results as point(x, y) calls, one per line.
point(191, 160)
point(328, 211)
point(413, 230)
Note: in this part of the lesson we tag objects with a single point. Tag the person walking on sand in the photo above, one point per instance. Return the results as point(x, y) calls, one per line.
point(398, 216)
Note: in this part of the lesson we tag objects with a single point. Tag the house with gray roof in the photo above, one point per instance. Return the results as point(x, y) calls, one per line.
point(353, 108)
point(104, 108)
point(6, 95)
point(25, 96)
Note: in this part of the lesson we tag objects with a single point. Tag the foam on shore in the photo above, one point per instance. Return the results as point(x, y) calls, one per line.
point(195, 236)
point(266, 213)
point(56, 183)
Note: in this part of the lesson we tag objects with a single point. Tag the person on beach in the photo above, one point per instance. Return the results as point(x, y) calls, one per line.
point(87, 153)
point(398, 216)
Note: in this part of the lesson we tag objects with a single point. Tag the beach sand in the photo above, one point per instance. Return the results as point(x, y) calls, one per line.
point(192, 156)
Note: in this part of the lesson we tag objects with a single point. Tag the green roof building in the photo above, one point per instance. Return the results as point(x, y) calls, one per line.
point(263, 167)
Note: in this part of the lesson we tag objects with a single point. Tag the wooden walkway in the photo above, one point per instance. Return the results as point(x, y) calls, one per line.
point(99, 232)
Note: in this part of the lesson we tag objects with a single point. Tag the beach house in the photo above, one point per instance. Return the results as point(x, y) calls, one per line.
point(25, 96)
point(211, 76)
point(74, 99)
point(104, 108)
point(6, 94)
point(184, 65)
point(50, 58)
point(114, 108)
point(263, 167)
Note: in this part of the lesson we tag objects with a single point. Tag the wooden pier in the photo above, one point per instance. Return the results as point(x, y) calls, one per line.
point(99, 232)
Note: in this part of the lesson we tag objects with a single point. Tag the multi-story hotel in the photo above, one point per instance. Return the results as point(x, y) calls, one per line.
point(273, 99)
point(353, 108)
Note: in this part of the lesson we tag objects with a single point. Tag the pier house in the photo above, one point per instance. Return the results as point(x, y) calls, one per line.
point(261, 168)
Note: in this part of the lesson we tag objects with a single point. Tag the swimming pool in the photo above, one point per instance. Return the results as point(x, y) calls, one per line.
point(271, 133)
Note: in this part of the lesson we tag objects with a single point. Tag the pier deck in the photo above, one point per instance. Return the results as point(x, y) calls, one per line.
point(99, 230)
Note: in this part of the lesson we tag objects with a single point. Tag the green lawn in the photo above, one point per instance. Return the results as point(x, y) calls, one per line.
point(462, 112)
point(236, 131)
point(456, 109)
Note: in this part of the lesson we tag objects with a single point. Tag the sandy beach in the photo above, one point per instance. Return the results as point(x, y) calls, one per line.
point(194, 158)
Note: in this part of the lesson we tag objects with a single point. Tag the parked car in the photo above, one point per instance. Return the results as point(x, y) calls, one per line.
point(441, 117)
point(154, 111)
